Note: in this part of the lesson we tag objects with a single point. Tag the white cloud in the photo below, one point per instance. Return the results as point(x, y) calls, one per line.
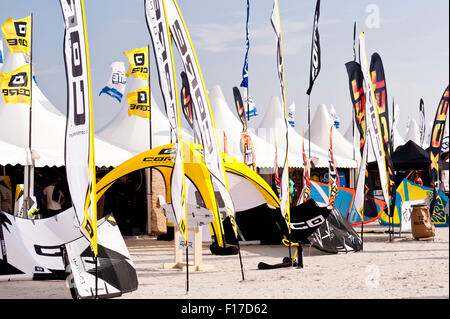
point(220, 38)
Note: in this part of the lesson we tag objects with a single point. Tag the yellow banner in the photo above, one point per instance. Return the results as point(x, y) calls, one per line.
point(139, 102)
point(139, 63)
point(16, 85)
point(17, 34)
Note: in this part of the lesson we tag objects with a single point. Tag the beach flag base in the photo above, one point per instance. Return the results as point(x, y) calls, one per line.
point(198, 254)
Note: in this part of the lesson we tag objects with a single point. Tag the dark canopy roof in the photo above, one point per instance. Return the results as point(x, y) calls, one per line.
point(410, 156)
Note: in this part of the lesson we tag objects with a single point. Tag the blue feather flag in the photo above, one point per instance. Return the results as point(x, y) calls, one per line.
point(244, 82)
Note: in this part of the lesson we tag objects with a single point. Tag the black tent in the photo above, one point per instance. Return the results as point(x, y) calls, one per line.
point(409, 157)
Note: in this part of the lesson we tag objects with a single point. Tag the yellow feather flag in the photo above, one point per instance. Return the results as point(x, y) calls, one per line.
point(16, 85)
point(17, 34)
point(139, 102)
point(139, 63)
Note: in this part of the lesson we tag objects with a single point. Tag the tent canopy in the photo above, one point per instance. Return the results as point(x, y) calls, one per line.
point(273, 126)
point(227, 122)
point(408, 157)
point(242, 180)
point(48, 131)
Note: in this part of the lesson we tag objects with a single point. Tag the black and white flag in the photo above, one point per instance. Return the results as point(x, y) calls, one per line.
point(315, 50)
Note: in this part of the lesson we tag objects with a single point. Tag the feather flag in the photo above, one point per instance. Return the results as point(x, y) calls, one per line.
point(79, 144)
point(333, 177)
point(373, 122)
point(275, 166)
point(202, 110)
point(17, 34)
point(379, 85)
point(306, 192)
point(186, 100)
point(244, 82)
point(437, 133)
point(240, 108)
point(315, 50)
point(422, 121)
point(252, 110)
point(356, 84)
point(1, 55)
point(291, 114)
point(285, 199)
point(247, 149)
point(117, 81)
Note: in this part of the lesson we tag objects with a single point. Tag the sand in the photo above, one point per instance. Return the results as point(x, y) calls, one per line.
point(401, 268)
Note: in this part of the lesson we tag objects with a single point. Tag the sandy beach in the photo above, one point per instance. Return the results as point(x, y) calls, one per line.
point(402, 268)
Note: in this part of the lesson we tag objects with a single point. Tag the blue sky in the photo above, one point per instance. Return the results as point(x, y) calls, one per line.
point(411, 36)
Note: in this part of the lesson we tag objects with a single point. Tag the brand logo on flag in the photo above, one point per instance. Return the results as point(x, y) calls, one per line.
point(15, 86)
point(139, 66)
point(139, 103)
point(17, 34)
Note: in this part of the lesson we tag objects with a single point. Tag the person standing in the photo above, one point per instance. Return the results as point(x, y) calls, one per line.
point(54, 198)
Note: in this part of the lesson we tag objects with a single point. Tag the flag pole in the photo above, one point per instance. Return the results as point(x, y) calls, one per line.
point(150, 173)
point(29, 169)
point(240, 258)
point(309, 126)
point(187, 265)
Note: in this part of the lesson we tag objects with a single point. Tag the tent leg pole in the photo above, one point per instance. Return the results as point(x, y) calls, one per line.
point(148, 177)
point(240, 259)
point(300, 256)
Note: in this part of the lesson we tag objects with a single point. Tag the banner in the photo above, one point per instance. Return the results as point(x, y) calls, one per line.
point(117, 81)
point(16, 85)
point(306, 191)
point(202, 108)
point(315, 50)
point(373, 122)
point(381, 98)
point(139, 102)
point(17, 34)
point(275, 167)
point(291, 114)
point(334, 117)
point(244, 82)
point(248, 150)
point(360, 198)
point(1, 55)
point(186, 100)
point(333, 177)
point(252, 110)
point(138, 60)
point(159, 30)
point(79, 143)
point(285, 200)
point(422, 121)
point(240, 108)
point(437, 133)
point(356, 83)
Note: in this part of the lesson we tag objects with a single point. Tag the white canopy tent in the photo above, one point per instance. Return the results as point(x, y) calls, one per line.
point(132, 133)
point(227, 121)
point(319, 133)
point(272, 124)
point(413, 133)
point(48, 128)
